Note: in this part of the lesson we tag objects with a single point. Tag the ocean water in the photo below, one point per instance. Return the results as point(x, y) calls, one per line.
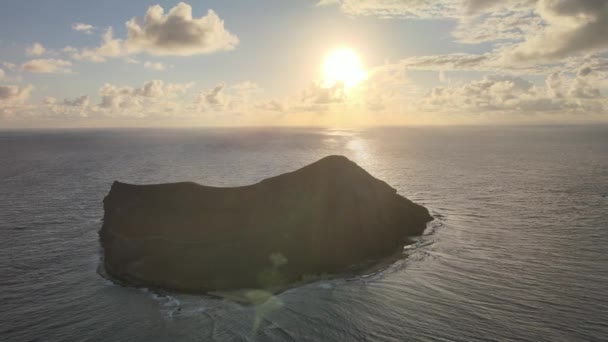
point(518, 252)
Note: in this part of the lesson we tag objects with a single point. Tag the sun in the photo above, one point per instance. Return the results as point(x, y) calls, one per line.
point(343, 65)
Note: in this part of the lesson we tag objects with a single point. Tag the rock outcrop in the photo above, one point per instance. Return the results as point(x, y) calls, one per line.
point(194, 238)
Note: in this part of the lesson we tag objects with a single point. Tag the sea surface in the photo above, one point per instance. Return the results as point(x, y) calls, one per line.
point(518, 250)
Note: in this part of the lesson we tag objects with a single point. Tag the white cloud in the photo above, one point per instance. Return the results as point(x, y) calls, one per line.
point(424, 9)
point(12, 100)
point(594, 66)
point(178, 33)
point(397, 8)
point(214, 98)
point(489, 94)
point(476, 7)
point(383, 85)
point(151, 99)
point(69, 50)
point(564, 39)
point(583, 86)
point(328, 2)
point(454, 61)
point(82, 101)
point(51, 108)
point(5, 77)
point(47, 66)
point(35, 49)
point(317, 94)
point(155, 66)
point(224, 99)
point(571, 27)
point(109, 47)
point(82, 27)
point(318, 98)
point(9, 66)
point(272, 106)
point(492, 62)
point(500, 25)
point(49, 100)
point(539, 31)
point(246, 86)
point(510, 94)
point(14, 94)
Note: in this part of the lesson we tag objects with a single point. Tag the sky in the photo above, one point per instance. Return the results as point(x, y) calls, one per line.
point(274, 63)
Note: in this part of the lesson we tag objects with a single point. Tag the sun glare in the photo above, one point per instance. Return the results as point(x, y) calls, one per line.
point(343, 65)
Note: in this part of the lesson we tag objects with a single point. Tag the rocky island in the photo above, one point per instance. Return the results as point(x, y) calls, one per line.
point(319, 219)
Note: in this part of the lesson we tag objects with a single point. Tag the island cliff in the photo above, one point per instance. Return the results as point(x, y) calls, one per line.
point(319, 219)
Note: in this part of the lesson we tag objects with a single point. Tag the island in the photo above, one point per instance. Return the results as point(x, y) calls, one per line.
point(320, 219)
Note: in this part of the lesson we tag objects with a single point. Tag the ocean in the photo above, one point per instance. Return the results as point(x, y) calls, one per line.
point(518, 250)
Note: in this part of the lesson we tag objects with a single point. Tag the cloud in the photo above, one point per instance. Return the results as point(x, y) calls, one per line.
point(49, 100)
point(47, 66)
point(246, 86)
point(476, 7)
point(82, 27)
point(14, 94)
point(318, 98)
point(35, 49)
point(234, 99)
point(420, 9)
point(79, 107)
point(498, 93)
point(499, 25)
point(51, 108)
point(3, 73)
point(383, 85)
point(272, 106)
point(9, 66)
point(317, 94)
point(82, 101)
point(593, 66)
point(571, 27)
point(583, 86)
point(109, 47)
point(12, 100)
point(328, 2)
point(492, 62)
point(537, 31)
point(213, 98)
point(178, 33)
point(454, 61)
point(424, 9)
point(155, 66)
point(152, 98)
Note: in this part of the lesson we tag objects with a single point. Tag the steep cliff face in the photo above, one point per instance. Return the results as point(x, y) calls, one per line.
point(318, 219)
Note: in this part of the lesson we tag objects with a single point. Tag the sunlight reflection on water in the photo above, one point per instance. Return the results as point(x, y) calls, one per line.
point(518, 250)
